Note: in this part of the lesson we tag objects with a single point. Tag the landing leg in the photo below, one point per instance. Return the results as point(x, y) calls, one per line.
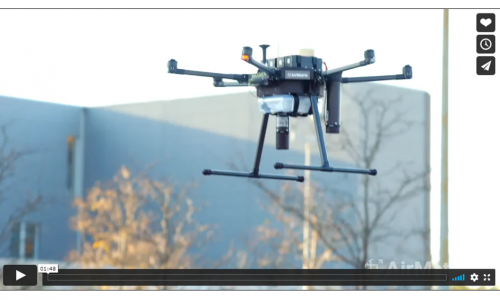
point(255, 172)
point(325, 165)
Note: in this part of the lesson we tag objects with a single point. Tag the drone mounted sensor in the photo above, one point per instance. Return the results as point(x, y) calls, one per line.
point(289, 87)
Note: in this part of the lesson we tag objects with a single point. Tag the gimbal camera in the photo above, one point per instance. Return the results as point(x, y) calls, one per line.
point(289, 87)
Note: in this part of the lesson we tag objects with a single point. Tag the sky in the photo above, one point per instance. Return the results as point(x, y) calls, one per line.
point(104, 57)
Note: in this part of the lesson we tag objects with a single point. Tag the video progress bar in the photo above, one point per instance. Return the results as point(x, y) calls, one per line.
point(255, 277)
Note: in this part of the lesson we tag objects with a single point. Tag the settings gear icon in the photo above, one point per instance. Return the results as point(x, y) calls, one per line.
point(474, 277)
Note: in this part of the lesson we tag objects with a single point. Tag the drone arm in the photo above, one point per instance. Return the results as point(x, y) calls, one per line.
point(172, 68)
point(407, 74)
point(369, 59)
point(246, 55)
point(344, 68)
point(209, 74)
point(260, 66)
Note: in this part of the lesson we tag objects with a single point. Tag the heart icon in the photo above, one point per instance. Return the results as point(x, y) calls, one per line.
point(485, 22)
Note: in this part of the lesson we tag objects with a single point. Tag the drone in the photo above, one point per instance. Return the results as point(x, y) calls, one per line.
point(290, 87)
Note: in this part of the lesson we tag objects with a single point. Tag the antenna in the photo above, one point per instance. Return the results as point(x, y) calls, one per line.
point(264, 47)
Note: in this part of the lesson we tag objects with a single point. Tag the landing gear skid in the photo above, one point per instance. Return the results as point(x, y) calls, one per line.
point(325, 165)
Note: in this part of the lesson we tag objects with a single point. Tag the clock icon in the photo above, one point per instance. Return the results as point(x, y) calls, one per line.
point(485, 44)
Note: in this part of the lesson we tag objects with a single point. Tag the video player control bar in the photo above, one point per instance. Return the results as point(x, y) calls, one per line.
point(255, 277)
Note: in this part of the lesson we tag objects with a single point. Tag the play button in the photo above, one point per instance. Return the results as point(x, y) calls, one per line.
point(20, 275)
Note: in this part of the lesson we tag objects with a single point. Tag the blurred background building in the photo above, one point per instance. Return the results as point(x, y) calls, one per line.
point(69, 149)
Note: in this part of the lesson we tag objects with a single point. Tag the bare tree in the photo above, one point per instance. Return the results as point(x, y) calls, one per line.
point(379, 200)
point(121, 229)
point(281, 246)
point(346, 227)
point(18, 206)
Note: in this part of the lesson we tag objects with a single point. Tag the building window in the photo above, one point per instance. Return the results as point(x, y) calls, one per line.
point(71, 163)
point(24, 241)
point(15, 239)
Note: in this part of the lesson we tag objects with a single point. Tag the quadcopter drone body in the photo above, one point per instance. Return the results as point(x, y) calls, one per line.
point(290, 87)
